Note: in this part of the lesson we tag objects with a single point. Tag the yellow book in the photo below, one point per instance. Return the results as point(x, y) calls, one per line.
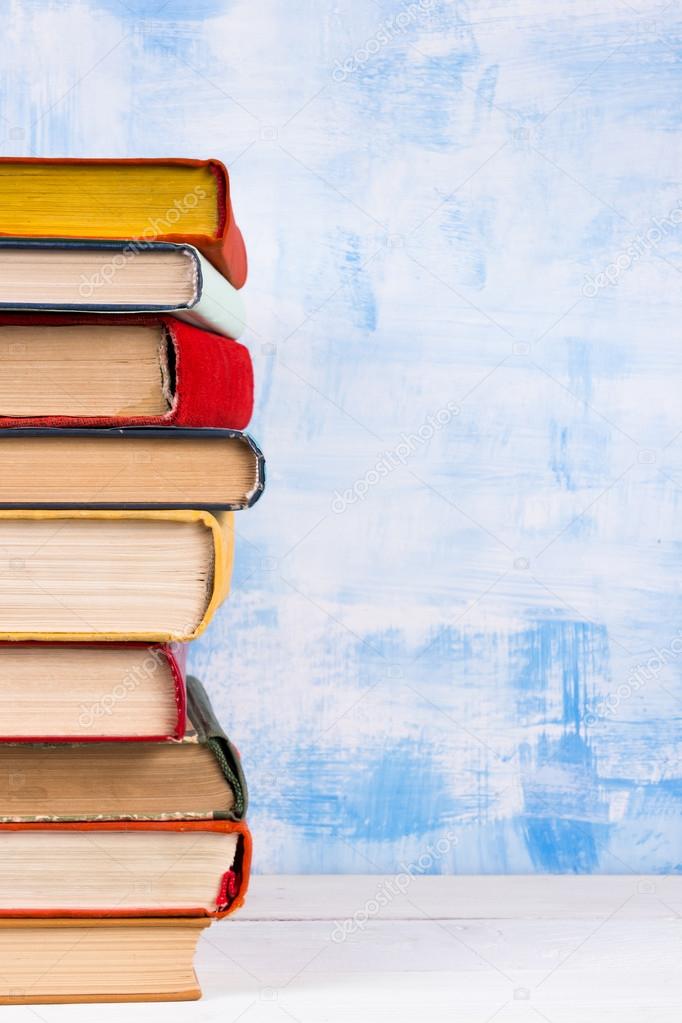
point(86, 575)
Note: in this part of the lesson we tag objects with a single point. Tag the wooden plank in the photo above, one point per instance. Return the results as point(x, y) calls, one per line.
point(624, 969)
point(391, 897)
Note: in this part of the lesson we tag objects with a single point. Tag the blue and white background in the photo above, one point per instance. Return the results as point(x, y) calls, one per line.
point(456, 623)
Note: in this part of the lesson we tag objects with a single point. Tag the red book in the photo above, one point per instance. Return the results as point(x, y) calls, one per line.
point(92, 692)
point(89, 371)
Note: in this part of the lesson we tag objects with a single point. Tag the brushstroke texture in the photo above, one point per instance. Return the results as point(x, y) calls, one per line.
point(466, 649)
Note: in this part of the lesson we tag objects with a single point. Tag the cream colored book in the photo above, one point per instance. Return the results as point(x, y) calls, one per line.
point(118, 277)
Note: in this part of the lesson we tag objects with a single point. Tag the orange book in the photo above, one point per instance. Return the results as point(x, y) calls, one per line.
point(135, 868)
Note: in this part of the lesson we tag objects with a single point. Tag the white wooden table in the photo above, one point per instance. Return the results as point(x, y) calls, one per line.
point(508, 949)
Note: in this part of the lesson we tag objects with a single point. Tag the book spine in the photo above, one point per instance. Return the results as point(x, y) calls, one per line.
point(180, 689)
point(214, 379)
point(230, 257)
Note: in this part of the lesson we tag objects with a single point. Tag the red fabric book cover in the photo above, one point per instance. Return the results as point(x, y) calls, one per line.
point(213, 375)
point(232, 887)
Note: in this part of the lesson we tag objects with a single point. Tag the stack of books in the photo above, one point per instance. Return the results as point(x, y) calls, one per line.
point(123, 397)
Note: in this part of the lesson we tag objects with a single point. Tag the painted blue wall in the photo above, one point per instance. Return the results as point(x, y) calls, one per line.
point(455, 629)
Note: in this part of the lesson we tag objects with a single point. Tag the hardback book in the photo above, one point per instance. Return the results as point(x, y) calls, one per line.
point(124, 868)
point(147, 576)
point(76, 959)
point(196, 778)
point(64, 370)
point(92, 692)
point(118, 277)
point(148, 200)
point(162, 467)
